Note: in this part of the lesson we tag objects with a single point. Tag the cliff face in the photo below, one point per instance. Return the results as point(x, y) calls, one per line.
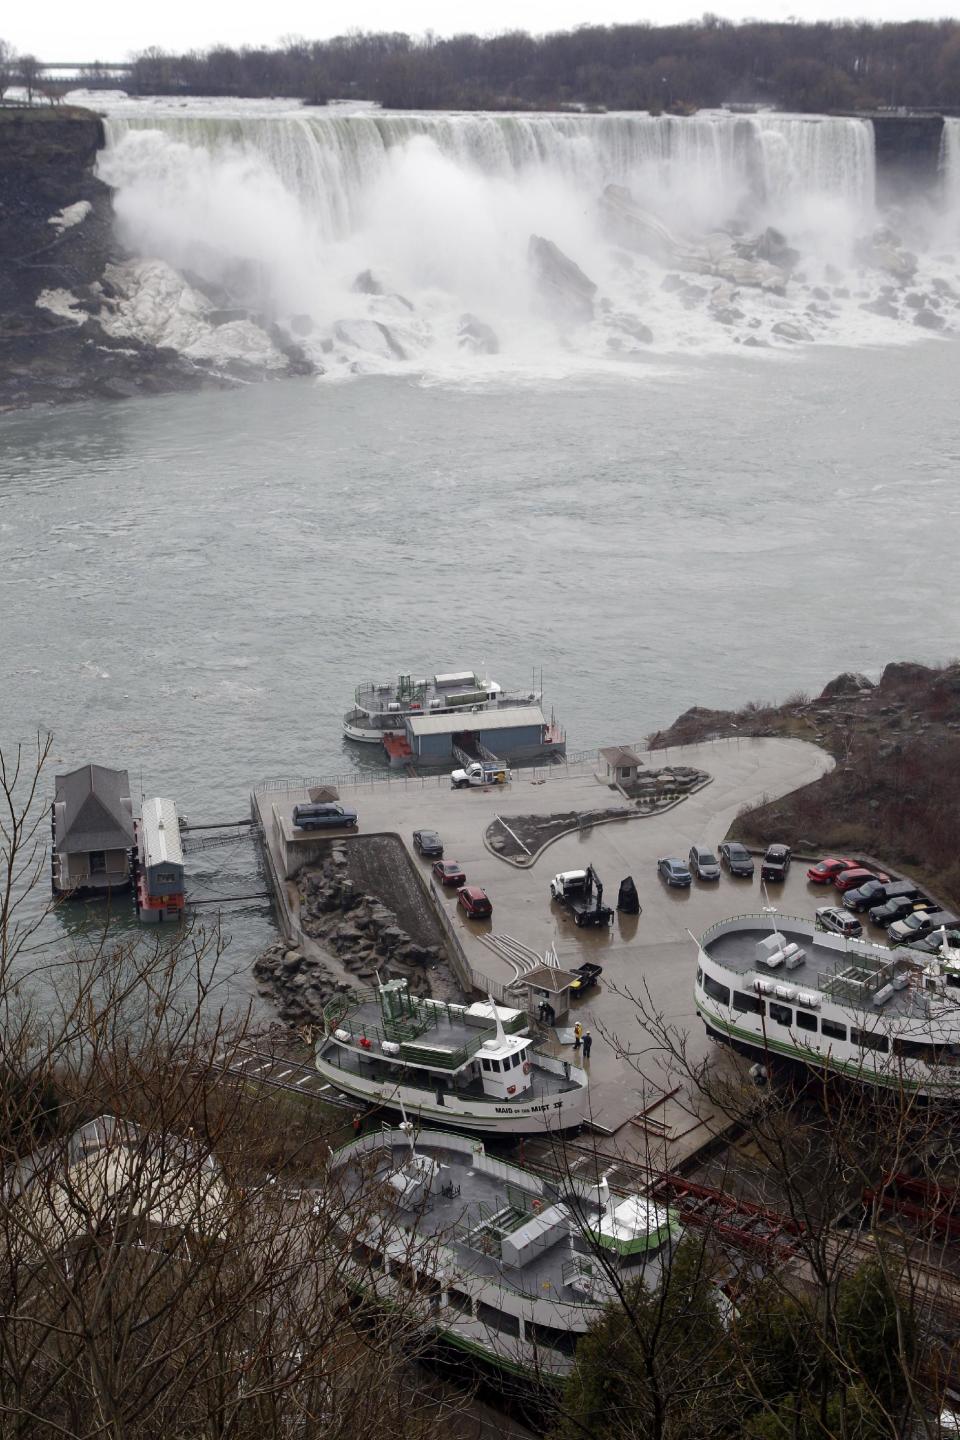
point(60, 335)
point(56, 234)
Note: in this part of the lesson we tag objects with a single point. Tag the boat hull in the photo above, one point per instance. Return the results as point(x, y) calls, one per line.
point(362, 736)
point(536, 1117)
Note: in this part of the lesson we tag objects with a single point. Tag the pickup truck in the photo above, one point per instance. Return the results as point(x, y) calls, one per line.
point(478, 774)
point(776, 863)
point(586, 975)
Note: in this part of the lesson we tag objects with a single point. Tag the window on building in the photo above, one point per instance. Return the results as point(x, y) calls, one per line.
point(781, 1013)
point(869, 1040)
point(715, 990)
point(748, 1004)
point(98, 862)
point(833, 1030)
point(806, 1021)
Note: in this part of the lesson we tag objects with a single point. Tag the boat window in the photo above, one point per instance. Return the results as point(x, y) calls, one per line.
point(869, 1040)
point(781, 1013)
point(485, 1064)
point(497, 1319)
point(517, 1058)
point(700, 975)
point(715, 990)
point(913, 1049)
point(458, 1300)
point(495, 1065)
point(832, 1030)
point(563, 1340)
point(806, 1021)
point(747, 1004)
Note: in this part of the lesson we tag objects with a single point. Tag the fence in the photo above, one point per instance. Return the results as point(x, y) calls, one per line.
point(358, 779)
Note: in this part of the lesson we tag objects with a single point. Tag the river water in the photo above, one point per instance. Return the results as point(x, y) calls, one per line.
point(192, 586)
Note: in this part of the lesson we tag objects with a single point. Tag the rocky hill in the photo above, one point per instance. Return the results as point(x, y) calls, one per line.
point(895, 792)
point(57, 243)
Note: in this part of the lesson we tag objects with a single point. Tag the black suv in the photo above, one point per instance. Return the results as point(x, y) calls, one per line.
point(776, 863)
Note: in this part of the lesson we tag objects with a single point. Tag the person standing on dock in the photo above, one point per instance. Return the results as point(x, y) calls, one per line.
point(577, 1035)
point(587, 1045)
point(357, 1124)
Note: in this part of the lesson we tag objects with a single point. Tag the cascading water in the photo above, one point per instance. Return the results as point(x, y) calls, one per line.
point(950, 169)
point(378, 239)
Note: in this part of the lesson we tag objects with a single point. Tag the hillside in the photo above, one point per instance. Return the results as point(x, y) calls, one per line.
point(895, 792)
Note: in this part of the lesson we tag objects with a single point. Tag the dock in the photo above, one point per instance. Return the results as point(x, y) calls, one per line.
point(639, 1108)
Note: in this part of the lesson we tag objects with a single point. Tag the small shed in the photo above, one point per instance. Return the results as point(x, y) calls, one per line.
point(92, 830)
point(550, 986)
point(619, 764)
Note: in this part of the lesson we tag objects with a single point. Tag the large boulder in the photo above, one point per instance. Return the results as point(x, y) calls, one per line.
point(900, 674)
point(849, 683)
point(475, 335)
point(569, 292)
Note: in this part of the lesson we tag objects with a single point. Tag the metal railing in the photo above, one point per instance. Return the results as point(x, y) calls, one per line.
point(559, 765)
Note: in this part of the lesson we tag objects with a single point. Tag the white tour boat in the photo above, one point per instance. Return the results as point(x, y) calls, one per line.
point(775, 986)
point(380, 710)
point(505, 1264)
point(469, 1066)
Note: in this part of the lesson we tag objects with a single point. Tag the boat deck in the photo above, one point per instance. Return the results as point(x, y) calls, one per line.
point(473, 1214)
point(831, 970)
point(546, 1085)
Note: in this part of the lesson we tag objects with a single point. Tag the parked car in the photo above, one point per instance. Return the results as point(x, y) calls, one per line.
point(776, 863)
point(427, 842)
point(448, 872)
point(917, 925)
point(737, 858)
point(825, 870)
point(877, 891)
point(474, 901)
point(323, 817)
point(704, 863)
point(871, 892)
point(894, 909)
point(852, 879)
point(674, 871)
point(832, 918)
point(933, 943)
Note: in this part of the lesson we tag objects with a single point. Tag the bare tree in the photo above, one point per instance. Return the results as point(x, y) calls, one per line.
point(29, 71)
point(8, 67)
point(166, 1267)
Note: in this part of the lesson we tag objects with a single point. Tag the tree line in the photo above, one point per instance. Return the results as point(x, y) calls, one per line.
point(677, 68)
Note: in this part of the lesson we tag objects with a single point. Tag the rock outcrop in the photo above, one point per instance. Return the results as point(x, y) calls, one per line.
point(561, 282)
point(355, 937)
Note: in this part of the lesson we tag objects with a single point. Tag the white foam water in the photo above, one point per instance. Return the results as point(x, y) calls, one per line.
point(284, 207)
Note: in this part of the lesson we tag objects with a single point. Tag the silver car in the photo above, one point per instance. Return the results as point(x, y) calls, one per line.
point(704, 863)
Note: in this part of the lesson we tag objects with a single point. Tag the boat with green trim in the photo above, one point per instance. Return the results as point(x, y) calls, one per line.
point(497, 1260)
point(775, 987)
point(474, 1067)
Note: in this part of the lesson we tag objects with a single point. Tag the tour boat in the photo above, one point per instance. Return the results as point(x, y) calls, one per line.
point(499, 1261)
point(380, 710)
point(469, 1066)
point(776, 987)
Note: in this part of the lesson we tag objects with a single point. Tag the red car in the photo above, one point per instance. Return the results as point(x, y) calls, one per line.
point(448, 872)
point(475, 902)
point(829, 869)
point(850, 879)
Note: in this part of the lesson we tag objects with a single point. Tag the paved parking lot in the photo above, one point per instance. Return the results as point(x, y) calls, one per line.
point(651, 954)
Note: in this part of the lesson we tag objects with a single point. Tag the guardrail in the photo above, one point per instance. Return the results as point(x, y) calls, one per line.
point(559, 765)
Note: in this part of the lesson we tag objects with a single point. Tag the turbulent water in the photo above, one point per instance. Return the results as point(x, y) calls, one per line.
point(401, 243)
point(192, 586)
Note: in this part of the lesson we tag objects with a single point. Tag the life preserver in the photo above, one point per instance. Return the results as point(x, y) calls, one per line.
point(527, 1067)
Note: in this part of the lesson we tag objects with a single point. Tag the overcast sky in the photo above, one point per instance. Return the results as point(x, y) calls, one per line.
point(113, 29)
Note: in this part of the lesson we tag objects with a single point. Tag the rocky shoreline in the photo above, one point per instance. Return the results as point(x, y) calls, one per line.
point(353, 936)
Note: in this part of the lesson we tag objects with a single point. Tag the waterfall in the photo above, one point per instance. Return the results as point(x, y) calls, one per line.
point(709, 164)
point(466, 242)
point(950, 167)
